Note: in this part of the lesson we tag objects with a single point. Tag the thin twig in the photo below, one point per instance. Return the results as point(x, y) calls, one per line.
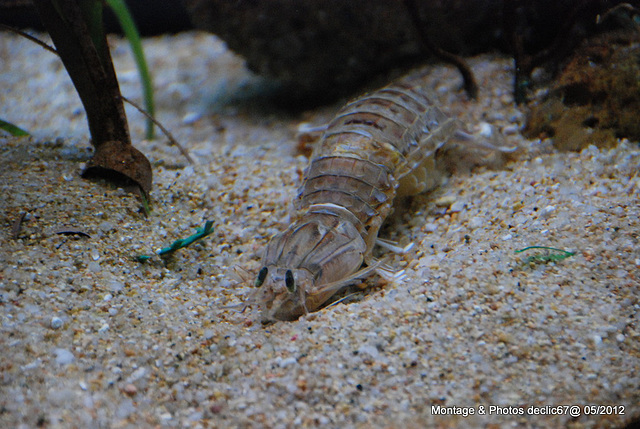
point(524, 63)
point(515, 38)
point(470, 85)
point(17, 224)
point(164, 130)
point(141, 110)
point(30, 37)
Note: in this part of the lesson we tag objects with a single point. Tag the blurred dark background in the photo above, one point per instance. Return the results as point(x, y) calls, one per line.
point(152, 17)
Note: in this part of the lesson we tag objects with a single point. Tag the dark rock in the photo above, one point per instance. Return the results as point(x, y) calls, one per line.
point(324, 48)
point(596, 97)
point(319, 48)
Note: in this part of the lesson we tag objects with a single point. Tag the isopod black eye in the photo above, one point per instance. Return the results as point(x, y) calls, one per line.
point(289, 281)
point(262, 275)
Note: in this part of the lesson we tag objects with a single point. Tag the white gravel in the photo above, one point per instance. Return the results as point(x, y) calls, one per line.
point(91, 338)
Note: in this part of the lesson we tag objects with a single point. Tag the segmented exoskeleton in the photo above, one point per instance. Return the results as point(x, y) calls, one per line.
point(382, 144)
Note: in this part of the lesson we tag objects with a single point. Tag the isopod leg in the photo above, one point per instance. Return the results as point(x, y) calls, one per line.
point(386, 271)
point(393, 246)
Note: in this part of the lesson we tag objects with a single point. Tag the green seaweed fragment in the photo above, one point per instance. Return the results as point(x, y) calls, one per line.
point(183, 242)
point(546, 258)
point(14, 130)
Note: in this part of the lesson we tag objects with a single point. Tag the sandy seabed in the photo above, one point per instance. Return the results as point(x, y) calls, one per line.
point(91, 338)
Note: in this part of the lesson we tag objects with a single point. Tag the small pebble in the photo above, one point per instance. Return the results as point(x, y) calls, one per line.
point(63, 356)
point(457, 206)
point(138, 374)
point(597, 340)
point(191, 117)
point(130, 389)
point(115, 286)
point(106, 226)
point(546, 212)
point(430, 227)
point(125, 409)
point(287, 362)
point(476, 222)
point(56, 323)
point(485, 129)
point(510, 130)
point(215, 408)
point(445, 201)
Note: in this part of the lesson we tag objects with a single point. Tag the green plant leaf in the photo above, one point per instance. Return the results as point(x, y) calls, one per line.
point(14, 130)
point(119, 7)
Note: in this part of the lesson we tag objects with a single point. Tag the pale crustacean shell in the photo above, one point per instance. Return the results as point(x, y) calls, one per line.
point(378, 146)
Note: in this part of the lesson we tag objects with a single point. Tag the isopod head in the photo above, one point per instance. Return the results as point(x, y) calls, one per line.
point(282, 293)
